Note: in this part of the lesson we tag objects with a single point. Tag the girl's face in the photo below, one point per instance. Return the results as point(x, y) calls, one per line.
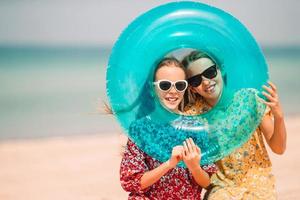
point(205, 79)
point(172, 97)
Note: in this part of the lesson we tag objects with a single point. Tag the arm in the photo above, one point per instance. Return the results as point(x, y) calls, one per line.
point(134, 172)
point(274, 130)
point(191, 157)
point(151, 177)
point(132, 168)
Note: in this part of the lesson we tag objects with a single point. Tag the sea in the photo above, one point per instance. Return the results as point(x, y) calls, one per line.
point(59, 91)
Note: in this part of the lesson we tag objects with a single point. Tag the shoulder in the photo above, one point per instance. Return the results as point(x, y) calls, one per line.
point(196, 108)
point(132, 149)
point(211, 168)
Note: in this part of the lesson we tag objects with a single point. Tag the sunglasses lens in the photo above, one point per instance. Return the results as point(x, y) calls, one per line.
point(165, 85)
point(195, 81)
point(210, 72)
point(181, 86)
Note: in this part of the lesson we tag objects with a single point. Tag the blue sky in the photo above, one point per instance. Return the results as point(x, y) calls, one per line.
point(67, 22)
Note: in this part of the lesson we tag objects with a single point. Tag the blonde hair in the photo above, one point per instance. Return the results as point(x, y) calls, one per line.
point(191, 57)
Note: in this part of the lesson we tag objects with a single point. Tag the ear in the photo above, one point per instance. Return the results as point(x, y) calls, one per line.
point(192, 89)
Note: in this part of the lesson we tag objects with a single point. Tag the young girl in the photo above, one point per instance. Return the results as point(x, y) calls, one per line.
point(147, 178)
point(246, 172)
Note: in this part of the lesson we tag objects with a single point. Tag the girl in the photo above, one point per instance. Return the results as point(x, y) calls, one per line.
point(147, 178)
point(246, 172)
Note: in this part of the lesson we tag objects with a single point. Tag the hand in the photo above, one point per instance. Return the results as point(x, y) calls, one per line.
point(176, 156)
point(107, 109)
point(273, 100)
point(191, 154)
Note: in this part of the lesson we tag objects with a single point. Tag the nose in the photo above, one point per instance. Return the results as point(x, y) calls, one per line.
point(205, 81)
point(172, 90)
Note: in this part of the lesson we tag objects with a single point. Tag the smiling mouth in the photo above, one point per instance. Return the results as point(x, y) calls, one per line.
point(171, 99)
point(210, 89)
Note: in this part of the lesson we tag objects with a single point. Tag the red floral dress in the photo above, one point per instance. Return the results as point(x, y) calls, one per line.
point(178, 183)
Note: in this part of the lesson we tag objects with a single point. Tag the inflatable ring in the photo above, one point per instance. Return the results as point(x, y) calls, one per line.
point(162, 30)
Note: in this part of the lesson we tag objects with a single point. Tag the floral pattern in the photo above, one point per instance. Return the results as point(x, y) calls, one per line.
point(245, 173)
point(178, 183)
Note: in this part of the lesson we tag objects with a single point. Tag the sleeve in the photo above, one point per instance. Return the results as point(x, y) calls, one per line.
point(196, 108)
point(210, 169)
point(189, 109)
point(132, 168)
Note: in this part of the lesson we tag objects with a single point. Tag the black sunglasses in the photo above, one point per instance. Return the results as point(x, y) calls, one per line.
point(209, 73)
point(166, 85)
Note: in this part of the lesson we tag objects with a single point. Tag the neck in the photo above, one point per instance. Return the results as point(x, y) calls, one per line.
point(176, 111)
point(211, 102)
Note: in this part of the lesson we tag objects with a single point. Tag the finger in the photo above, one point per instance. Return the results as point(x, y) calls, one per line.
point(181, 149)
point(185, 149)
point(178, 149)
point(265, 102)
point(270, 90)
point(177, 155)
point(183, 155)
point(189, 145)
point(198, 150)
point(193, 144)
point(272, 86)
point(270, 104)
point(269, 97)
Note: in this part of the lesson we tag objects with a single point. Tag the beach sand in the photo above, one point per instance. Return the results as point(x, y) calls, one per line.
point(87, 167)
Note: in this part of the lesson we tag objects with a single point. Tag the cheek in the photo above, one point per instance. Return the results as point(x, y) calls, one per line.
point(199, 90)
point(180, 96)
point(218, 79)
point(161, 95)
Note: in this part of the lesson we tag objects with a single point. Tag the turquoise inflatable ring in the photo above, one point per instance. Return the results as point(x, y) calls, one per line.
point(160, 31)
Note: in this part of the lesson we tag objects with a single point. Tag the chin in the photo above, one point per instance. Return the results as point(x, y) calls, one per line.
point(171, 106)
point(215, 95)
point(211, 96)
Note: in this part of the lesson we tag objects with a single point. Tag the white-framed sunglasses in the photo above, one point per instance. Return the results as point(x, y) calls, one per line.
point(166, 85)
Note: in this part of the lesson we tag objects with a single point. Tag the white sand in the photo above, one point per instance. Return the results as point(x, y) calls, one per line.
point(87, 167)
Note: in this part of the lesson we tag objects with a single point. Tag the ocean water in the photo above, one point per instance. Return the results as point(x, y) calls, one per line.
point(58, 91)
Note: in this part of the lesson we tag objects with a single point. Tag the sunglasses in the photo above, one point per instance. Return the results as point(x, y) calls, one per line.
point(166, 85)
point(209, 73)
